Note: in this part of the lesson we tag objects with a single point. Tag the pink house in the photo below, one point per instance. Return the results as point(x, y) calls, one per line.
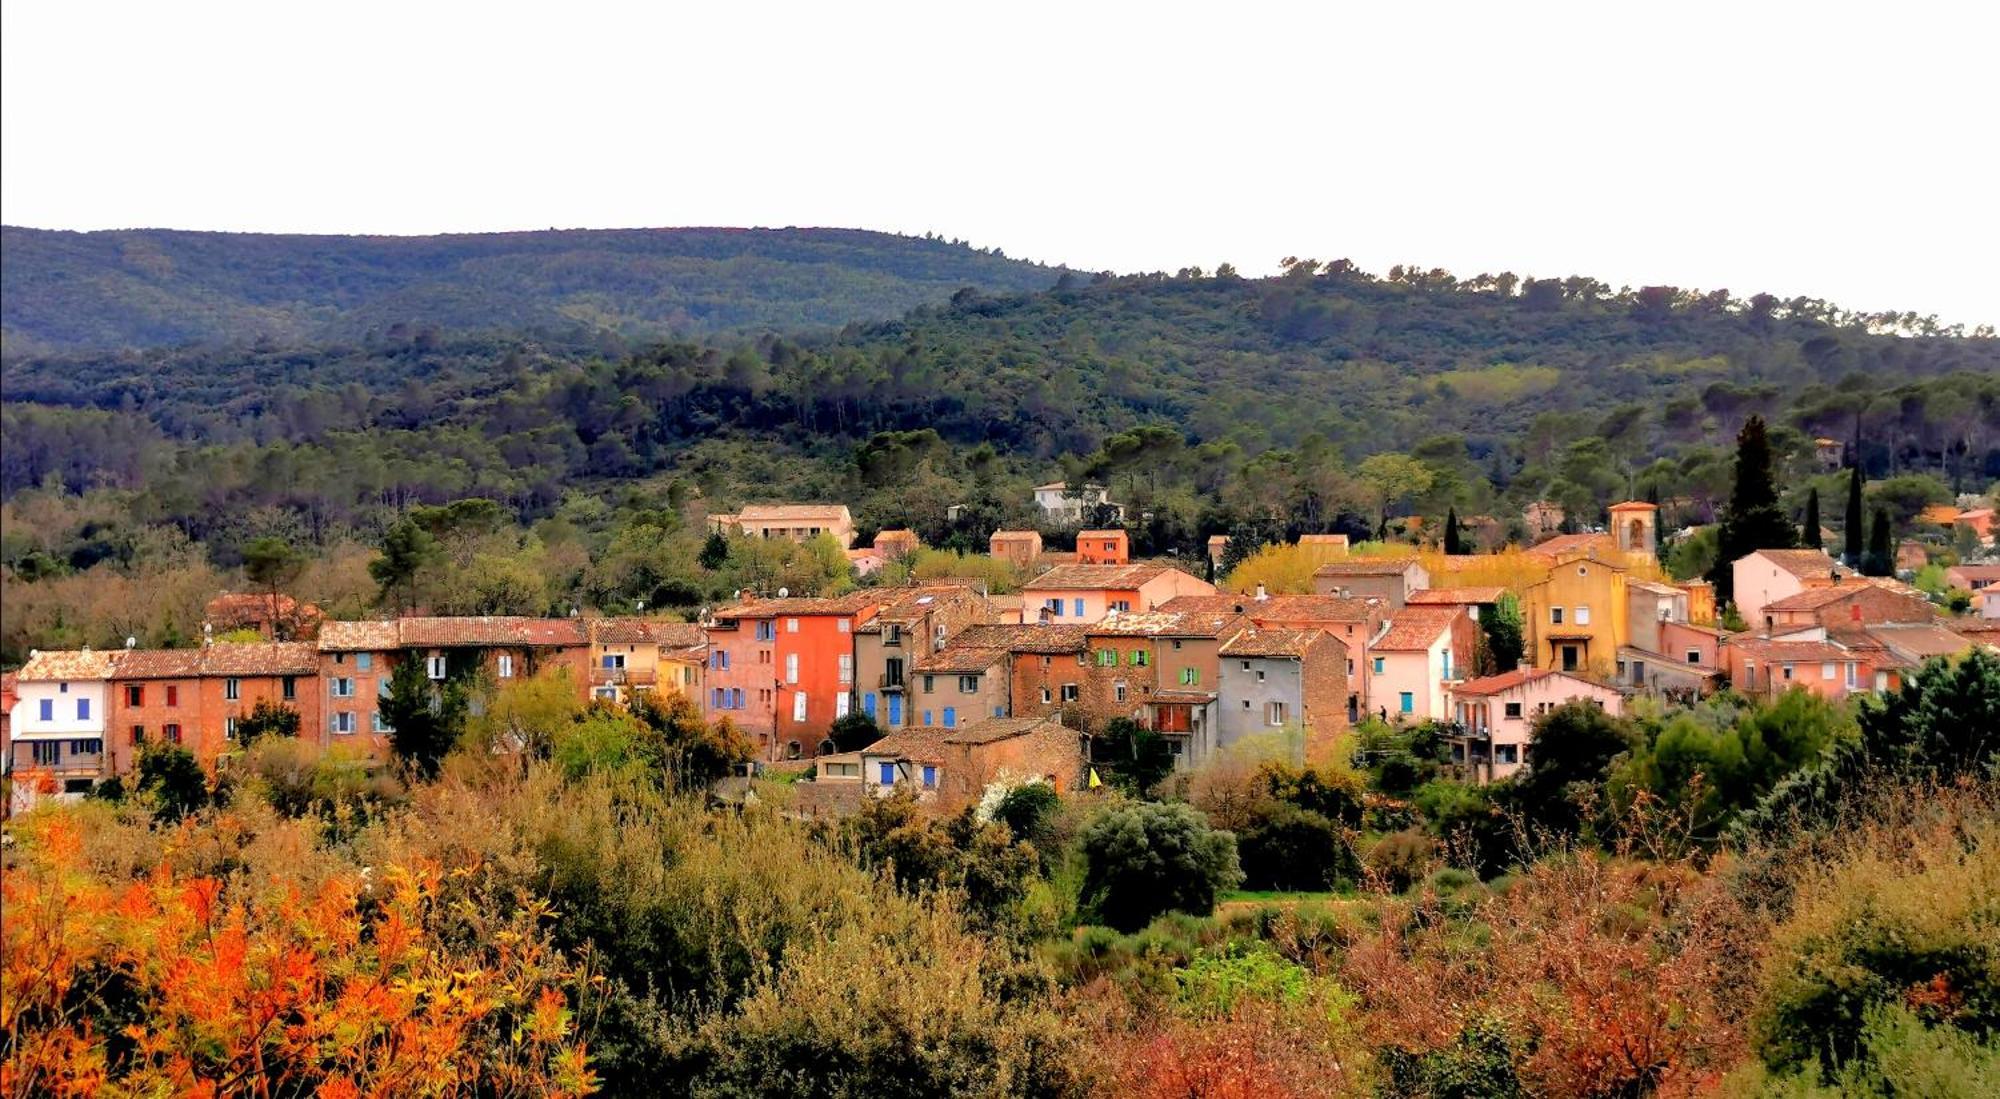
point(1770, 667)
point(1081, 595)
point(1495, 715)
point(1766, 576)
point(1416, 659)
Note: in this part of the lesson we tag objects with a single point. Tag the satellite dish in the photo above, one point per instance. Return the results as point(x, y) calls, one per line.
point(783, 592)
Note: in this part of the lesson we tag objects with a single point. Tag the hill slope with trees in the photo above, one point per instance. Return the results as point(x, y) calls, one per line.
point(155, 288)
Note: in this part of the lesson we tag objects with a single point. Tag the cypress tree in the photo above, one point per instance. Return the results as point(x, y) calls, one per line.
point(1881, 557)
point(1810, 539)
point(1753, 519)
point(1453, 545)
point(1852, 534)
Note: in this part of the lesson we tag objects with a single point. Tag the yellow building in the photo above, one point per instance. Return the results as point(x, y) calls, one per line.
point(645, 654)
point(1577, 618)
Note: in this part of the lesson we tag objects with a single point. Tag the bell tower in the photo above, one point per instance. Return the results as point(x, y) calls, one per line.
point(1635, 524)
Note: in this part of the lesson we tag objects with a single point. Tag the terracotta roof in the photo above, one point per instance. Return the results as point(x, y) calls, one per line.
point(1281, 643)
point(159, 664)
point(1416, 628)
point(1281, 609)
point(773, 513)
point(995, 729)
point(1015, 535)
point(1977, 574)
point(1323, 540)
point(1181, 696)
point(67, 664)
point(644, 631)
point(492, 630)
point(261, 658)
point(1791, 652)
point(379, 636)
point(1634, 505)
point(906, 605)
point(1804, 563)
point(1165, 623)
point(1919, 641)
point(1457, 596)
point(1367, 566)
point(960, 659)
point(1812, 599)
point(1505, 681)
point(1028, 638)
point(798, 605)
point(1564, 544)
point(1656, 588)
point(1095, 577)
point(1102, 534)
point(920, 743)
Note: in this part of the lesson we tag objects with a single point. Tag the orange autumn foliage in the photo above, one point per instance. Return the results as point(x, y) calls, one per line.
point(176, 984)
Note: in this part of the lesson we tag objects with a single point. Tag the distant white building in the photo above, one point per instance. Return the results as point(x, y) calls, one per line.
point(1063, 507)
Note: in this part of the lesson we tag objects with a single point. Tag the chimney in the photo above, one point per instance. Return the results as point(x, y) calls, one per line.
point(1261, 594)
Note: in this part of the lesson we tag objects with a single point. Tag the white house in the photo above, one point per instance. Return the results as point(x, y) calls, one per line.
point(57, 726)
point(1063, 507)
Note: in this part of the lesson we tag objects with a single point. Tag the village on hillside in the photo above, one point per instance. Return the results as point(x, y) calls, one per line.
point(940, 686)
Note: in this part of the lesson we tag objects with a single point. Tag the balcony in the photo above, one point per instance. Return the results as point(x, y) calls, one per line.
point(892, 681)
point(636, 677)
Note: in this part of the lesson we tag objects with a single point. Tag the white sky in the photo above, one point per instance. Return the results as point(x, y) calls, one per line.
point(1840, 152)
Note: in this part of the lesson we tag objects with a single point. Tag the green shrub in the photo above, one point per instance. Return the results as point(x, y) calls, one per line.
point(1401, 859)
point(1289, 848)
point(1145, 859)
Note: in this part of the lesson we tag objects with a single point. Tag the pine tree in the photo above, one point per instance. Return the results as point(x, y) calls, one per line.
point(1811, 531)
point(1752, 520)
point(1852, 534)
point(1454, 545)
point(1881, 557)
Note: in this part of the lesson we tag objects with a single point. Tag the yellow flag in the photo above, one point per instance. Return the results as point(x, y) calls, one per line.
point(1095, 782)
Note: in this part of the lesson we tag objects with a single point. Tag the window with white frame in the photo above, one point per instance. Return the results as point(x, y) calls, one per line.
point(343, 721)
point(798, 705)
point(847, 667)
point(791, 625)
point(841, 704)
point(506, 665)
point(434, 666)
point(791, 667)
point(1274, 713)
point(232, 689)
point(1826, 670)
point(1583, 616)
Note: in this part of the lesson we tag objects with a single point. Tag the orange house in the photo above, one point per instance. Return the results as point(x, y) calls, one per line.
point(195, 697)
point(1103, 547)
point(783, 669)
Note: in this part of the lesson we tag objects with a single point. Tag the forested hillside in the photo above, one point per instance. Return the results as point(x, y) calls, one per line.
point(154, 288)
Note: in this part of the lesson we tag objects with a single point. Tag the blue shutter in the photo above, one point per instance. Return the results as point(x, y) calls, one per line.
point(868, 705)
point(735, 698)
point(1079, 608)
point(951, 717)
point(1409, 702)
point(48, 709)
point(927, 718)
point(999, 711)
point(888, 774)
point(895, 710)
point(930, 776)
point(83, 709)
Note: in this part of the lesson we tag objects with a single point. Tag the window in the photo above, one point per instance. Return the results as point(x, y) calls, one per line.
point(892, 634)
point(1246, 703)
point(1140, 658)
point(343, 721)
point(791, 625)
point(289, 688)
point(1406, 703)
point(1380, 663)
point(614, 660)
point(930, 684)
point(1046, 699)
point(841, 703)
point(1853, 678)
point(868, 705)
point(1350, 665)
point(767, 630)
point(1078, 605)
point(505, 664)
point(138, 735)
point(844, 626)
point(83, 709)
point(1583, 616)
point(364, 661)
point(1555, 616)
point(951, 717)
point(1054, 607)
point(716, 699)
point(1118, 691)
point(888, 774)
point(1107, 657)
point(172, 733)
point(1190, 677)
point(1506, 753)
point(798, 705)
point(1513, 711)
point(736, 698)
point(173, 695)
point(930, 777)
point(1694, 656)
point(1245, 664)
point(232, 689)
point(791, 667)
point(229, 728)
point(340, 658)
point(47, 711)
point(343, 686)
point(968, 684)
point(434, 666)
point(1260, 675)
point(1447, 664)
point(1069, 692)
point(927, 718)
point(135, 695)
point(1274, 713)
point(1788, 672)
point(47, 753)
point(1122, 606)
point(719, 660)
point(376, 724)
point(382, 687)
point(847, 667)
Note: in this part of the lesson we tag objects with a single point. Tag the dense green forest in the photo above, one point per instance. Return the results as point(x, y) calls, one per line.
point(158, 288)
